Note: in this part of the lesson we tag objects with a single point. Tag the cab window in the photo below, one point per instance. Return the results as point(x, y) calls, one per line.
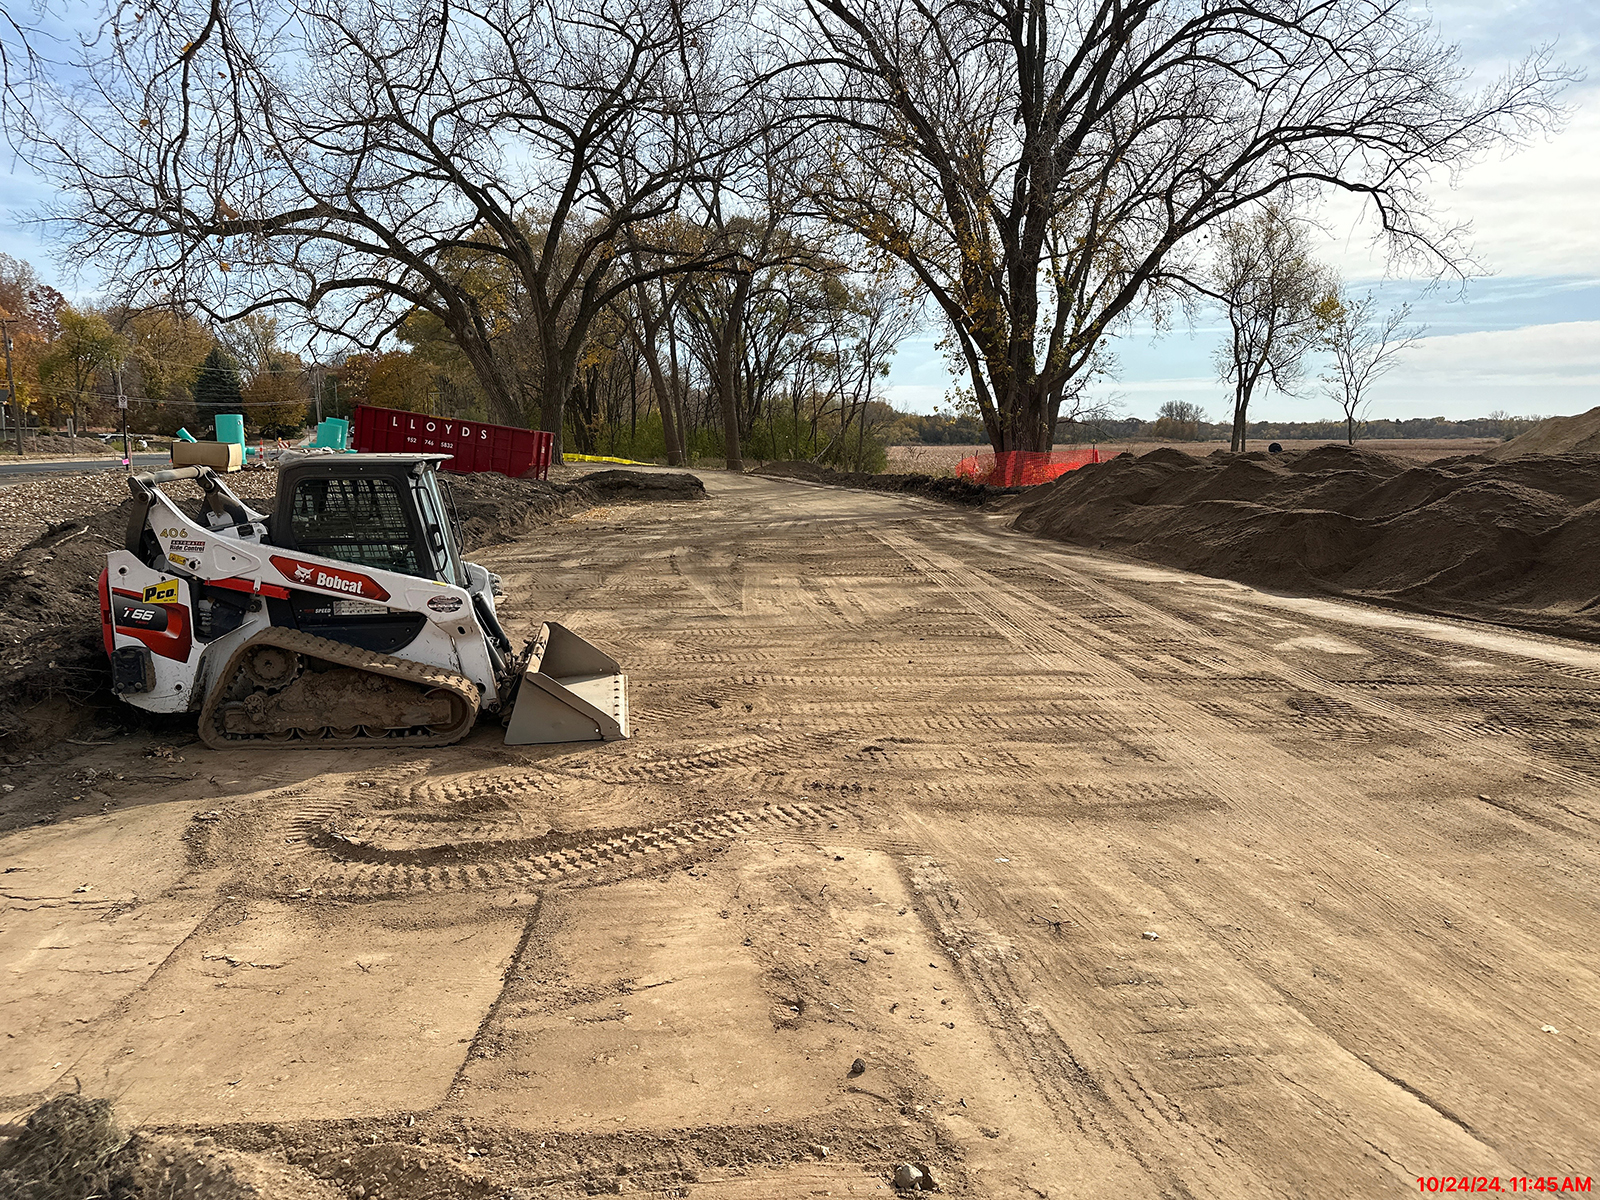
point(360, 520)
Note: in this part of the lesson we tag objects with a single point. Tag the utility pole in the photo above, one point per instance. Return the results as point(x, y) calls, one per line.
point(122, 405)
point(11, 384)
point(316, 374)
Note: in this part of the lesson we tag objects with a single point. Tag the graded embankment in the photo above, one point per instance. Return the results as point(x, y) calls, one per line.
point(935, 487)
point(1513, 542)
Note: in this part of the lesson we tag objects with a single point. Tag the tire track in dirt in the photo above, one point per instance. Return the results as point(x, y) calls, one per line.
point(356, 870)
point(1097, 1099)
point(1122, 648)
point(1258, 780)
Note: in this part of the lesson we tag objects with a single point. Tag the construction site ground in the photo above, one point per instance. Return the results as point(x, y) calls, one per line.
point(936, 843)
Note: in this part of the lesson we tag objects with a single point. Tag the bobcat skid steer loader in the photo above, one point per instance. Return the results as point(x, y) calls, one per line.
point(347, 618)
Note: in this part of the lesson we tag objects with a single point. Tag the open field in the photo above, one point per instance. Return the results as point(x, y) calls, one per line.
point(1117, 881)
point(938, 460)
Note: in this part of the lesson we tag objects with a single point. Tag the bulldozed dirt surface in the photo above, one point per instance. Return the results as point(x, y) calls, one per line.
point(1514, 542)
point(938, 844)
point(54, 675)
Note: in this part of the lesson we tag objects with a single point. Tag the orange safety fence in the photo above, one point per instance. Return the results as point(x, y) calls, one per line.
point(1024, 468)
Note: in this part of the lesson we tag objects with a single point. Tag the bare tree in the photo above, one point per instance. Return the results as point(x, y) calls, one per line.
point(885, 313)
point(362, 162)
point(1044, 166)
point(1364, 343)
point(1179, 420)
point(1269, 286)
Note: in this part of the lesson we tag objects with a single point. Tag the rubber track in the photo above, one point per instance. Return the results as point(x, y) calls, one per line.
point(347, 656)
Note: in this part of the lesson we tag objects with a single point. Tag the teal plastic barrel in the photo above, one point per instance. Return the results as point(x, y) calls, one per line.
point(230, 428)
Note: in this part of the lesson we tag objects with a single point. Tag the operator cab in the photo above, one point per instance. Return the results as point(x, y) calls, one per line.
point(385, 511)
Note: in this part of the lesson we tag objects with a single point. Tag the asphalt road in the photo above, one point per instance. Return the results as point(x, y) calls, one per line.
point(15, 472)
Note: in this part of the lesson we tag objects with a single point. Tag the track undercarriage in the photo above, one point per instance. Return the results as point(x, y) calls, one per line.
point(288, 687)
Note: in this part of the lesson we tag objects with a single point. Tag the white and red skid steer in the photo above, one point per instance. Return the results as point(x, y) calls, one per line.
point(346, 617)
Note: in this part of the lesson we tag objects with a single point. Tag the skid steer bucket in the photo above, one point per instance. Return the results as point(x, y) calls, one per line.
point(570, 692)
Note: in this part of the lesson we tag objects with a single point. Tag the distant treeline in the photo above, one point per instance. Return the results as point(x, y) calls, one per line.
point(937, 429)
point(1134, 429)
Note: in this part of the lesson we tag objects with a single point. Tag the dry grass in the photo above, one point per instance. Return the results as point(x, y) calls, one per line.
point(67, 1150)
point(942, 460)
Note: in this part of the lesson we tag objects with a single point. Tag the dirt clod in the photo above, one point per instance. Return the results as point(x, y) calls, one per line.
point(907, 1177)
point(68, 1149)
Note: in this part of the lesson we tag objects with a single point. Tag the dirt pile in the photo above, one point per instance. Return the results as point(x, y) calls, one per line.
point(935, 487)
point(494, 508)
point(1555, 435)
point(621, 486)
point(71, 1147)
point(1516, 542)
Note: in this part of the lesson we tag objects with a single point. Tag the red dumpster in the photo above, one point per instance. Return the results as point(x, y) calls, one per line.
point(473, 446)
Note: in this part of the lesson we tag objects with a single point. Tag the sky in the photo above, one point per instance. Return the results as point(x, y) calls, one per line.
point(1524, 339)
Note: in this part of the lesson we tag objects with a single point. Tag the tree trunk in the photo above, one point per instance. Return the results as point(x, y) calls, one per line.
point(675, 389)
point(730, 423)
point(727, 375)
point(553, 408)
point(669, 421)
point(1350, 428)
point(652, 362)
point(503, 406)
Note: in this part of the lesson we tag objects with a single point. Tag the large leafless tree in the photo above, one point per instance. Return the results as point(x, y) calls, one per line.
point(360, 162)
point(1044, 166)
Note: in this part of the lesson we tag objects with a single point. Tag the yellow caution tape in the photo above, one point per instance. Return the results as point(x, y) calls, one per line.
point(626, 462)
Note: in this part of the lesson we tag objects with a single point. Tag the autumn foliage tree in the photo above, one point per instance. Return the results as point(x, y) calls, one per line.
point(1274, 296)
point(83, 353)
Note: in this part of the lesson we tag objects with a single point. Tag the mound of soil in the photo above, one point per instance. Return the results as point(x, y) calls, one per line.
point(623, 486)
point(1555, 435)
point(935, 487)
point(494, 508)
point(71, 1148)
point(1515, 542)
point(54, 676)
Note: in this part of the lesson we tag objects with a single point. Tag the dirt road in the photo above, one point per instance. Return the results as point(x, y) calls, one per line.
point(1116, 881)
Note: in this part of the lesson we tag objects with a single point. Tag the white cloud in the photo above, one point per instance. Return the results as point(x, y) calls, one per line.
point(916, 397)
point(1566, 354)
point(1532, 211)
